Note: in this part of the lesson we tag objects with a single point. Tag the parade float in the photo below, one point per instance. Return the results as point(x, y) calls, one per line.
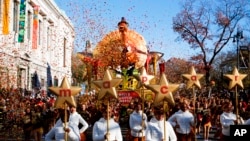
point(125, 54)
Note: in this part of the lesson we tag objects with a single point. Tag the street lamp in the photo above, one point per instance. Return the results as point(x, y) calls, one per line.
point(236, 38)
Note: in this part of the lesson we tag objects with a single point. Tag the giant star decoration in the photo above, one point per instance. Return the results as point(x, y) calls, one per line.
point(236, 78)
point(107, 85)
point(65, 93)
point(164, 91)
point(193, 78)
point(144, 78)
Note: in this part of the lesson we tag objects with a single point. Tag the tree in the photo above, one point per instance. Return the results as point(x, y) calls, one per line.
point(175, 67)
point(209, 26)
point(78, 70)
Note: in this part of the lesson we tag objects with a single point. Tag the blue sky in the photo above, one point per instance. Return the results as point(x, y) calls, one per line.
point(153, 20)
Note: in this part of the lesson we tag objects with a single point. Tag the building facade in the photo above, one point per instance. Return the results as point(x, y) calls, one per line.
point(36, 39)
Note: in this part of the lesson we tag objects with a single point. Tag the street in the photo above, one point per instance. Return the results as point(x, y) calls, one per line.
point(16, 134)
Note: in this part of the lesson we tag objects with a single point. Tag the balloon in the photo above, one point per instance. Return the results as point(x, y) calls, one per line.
point(122, 47)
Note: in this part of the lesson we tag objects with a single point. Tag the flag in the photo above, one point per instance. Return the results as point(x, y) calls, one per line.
point(35, 27)
point(6, 8)
point(22, 21)
point(49, 80)
point(35, 81)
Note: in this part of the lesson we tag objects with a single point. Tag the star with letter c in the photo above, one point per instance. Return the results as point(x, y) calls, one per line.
point(164, 91)
point(65, 93)
point(236, 78)
point(107, 85)
point(193, 78)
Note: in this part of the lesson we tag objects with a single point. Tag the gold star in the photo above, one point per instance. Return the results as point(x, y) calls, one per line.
point(236, 78)
point(107, 85)
point(164, 91)
point(65, 93)
point(143, 78)
point(193, 78)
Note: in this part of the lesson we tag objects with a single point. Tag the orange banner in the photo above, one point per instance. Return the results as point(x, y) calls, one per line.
point(35, 27)
point(6, 7)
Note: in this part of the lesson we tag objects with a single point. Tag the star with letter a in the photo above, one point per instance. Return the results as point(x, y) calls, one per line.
point(236, 78)
point(164, 91)
point(193, 78)
point(65, 93)
point(107, 85)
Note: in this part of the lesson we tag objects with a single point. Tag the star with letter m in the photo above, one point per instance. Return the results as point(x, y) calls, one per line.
point(65, 93)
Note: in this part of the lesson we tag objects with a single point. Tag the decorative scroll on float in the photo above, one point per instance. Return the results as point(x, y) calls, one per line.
point(236, 80)
point(193, 80)
point(65, 96)
point(107, 89)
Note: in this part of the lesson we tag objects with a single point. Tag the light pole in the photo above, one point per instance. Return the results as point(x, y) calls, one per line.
point(236, 38)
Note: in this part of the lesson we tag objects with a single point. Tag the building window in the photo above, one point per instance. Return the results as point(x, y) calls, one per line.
point(42, 82)
point(48, 37)
point(40, 32)
point(15, 16)
point(21, 78)
point(64, 52)
point(55, 81)
point(29, 24)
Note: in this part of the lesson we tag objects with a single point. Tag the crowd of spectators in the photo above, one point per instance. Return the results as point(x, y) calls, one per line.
point(33, 114)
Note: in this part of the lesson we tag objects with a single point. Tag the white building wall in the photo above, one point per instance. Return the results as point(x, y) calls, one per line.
point(20, 59)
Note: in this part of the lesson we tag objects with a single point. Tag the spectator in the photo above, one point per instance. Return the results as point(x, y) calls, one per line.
point(27, 124)
point(37, 123)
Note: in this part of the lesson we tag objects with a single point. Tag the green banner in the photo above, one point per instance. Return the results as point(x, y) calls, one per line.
point(22, 21)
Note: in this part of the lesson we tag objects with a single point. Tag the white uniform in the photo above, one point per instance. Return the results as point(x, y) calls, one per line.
point(100, 129)
point(58, 133)
point(227, 119)
point(247, 122)
point(135, 124)
point(76, 118)
point(184, 119)
point(155, 131)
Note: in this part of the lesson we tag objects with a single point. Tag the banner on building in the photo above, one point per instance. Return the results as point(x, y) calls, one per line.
point(22, 21)
point(6, 8)
point(35, 27)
